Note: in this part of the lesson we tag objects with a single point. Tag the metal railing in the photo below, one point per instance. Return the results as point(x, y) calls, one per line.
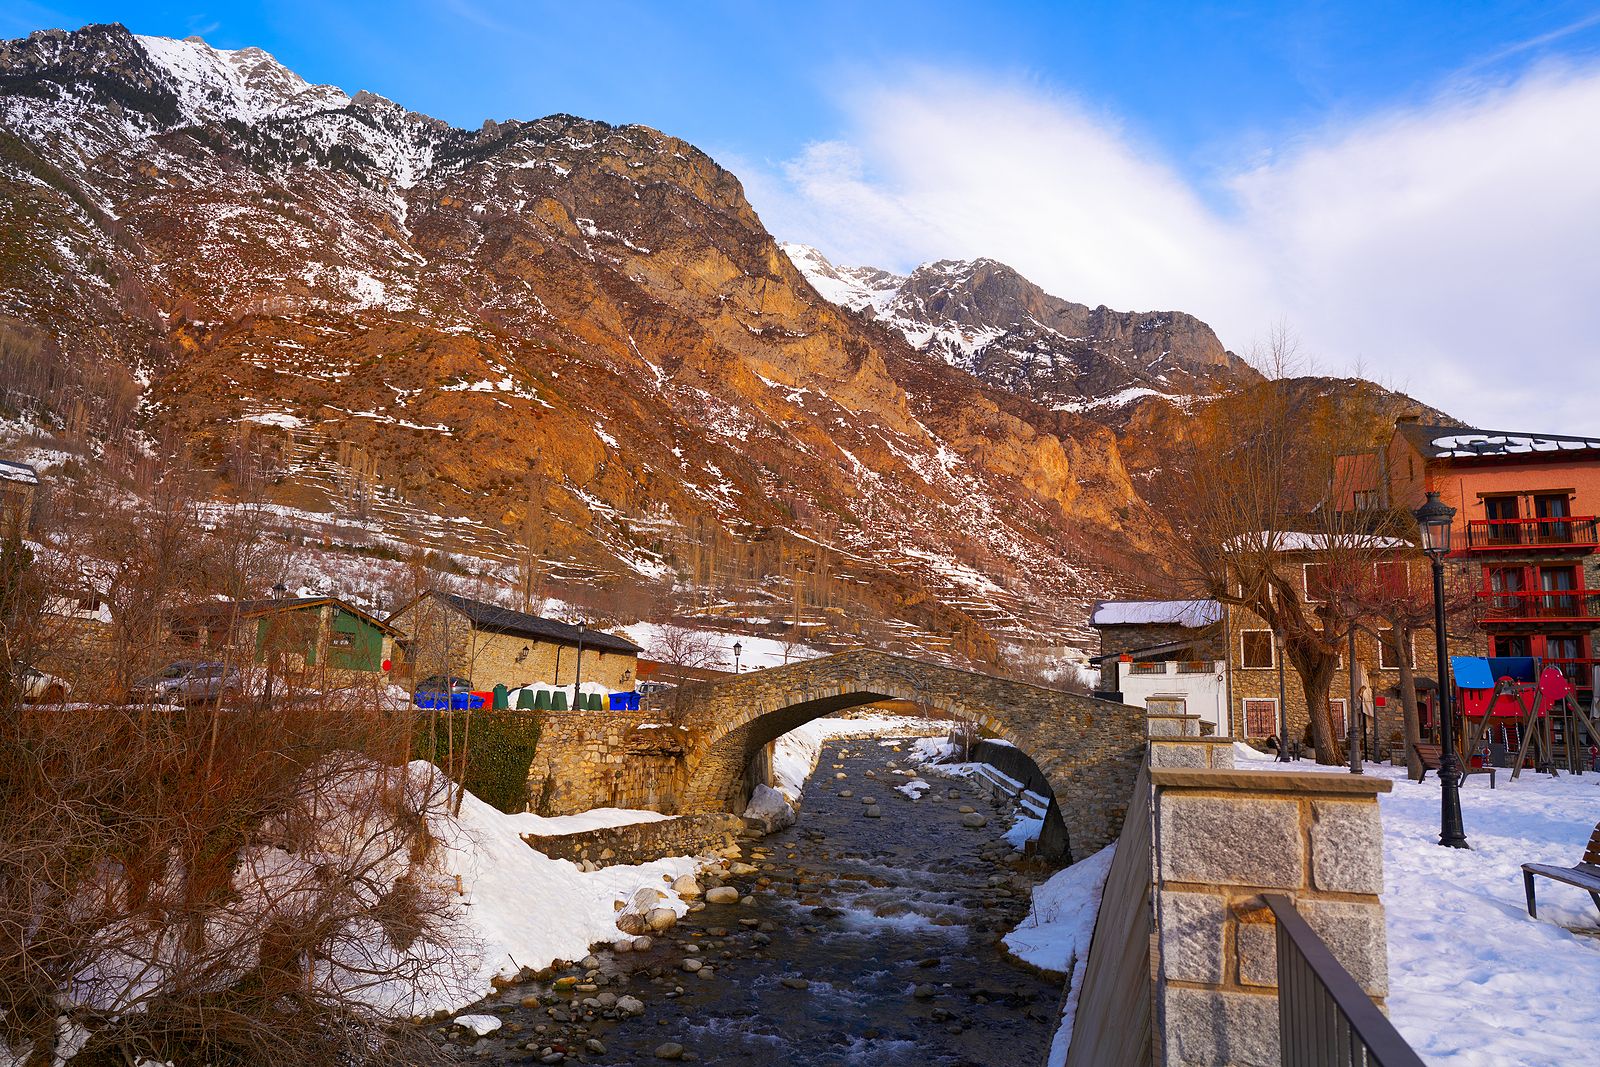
point(1324, 1017)
point(1541, 604)
point(1563, 531)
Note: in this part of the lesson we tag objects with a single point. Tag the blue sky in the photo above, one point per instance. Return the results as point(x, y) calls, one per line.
point(1409, 187)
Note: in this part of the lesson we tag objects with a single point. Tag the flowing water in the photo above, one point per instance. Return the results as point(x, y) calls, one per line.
point(867, 940)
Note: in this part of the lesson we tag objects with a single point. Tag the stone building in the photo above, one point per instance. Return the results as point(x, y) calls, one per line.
point(1166, 656)
point(1254, 658)
point(18, 484)
point(446, 633)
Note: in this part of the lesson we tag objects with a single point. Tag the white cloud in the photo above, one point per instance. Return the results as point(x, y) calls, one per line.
point(1454, 247)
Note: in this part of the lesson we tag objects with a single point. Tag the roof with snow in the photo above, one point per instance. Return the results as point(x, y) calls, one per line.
point(15, 471)
point(496, 619)
point(1302, 541)
point(1193, 613)
point(1467, 442)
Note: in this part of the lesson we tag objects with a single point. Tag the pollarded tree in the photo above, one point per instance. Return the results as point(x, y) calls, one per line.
point(1266, 489)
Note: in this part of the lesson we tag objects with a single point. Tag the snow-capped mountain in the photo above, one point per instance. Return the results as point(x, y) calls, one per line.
point(990, 321)
point(556, 332)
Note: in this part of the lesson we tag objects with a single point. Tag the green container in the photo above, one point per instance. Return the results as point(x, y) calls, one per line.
point(526, 700)
point(558, 700)
point(541, 700)
point(501, 694)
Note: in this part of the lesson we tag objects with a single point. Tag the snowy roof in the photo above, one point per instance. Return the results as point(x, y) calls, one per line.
point(1156, 613)
point(1301, 541)
point(13, 471)
point(1466, 442)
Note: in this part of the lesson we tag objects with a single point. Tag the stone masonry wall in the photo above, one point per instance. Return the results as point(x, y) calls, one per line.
point(641, 842)
point(606, 759)
point(1221, 840)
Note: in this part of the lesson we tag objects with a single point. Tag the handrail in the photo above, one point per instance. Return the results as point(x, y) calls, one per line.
point(1541, 603)
point(1560, 531)
point(1324, 1017)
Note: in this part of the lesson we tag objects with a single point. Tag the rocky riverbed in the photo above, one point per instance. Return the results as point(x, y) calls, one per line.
point(866, 933)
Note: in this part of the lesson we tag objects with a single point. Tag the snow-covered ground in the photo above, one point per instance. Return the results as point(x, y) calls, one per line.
point(1472, 980)
point(520, 907)
point(1057, 931)
point(755, 653)
point(527, 822)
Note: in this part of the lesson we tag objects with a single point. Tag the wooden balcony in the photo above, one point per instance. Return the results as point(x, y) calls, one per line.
point(1568, 533)
point(1541, 605)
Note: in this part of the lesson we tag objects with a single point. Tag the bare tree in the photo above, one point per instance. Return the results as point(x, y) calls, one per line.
point(683, 653)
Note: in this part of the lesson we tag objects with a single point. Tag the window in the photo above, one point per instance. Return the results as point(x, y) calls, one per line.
point(1510, 645)
point(342, 640)
point(1508, 581)
point(1502, 514)
point(1255, 650)
point(1339, 710)
point(1366, 499)
point(1393, 577)
point(1260, 718)
point(1316, 580)
point(1386, 657)
point(1549, 506)
point(1559, 580)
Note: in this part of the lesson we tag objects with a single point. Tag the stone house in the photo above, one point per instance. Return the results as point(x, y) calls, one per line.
point(19, 483)
point(446, 633)
point(1254, 659)
point(302, 632)
point(1166, 656)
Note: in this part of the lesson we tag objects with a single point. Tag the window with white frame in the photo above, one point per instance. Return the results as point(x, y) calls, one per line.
point(1256, 651)
point(1386, 656)
point(1260, 717)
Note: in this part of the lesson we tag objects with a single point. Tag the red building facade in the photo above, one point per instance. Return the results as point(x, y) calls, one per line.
point(1526, 529)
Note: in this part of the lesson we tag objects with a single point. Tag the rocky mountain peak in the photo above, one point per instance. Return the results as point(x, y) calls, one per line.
point(988, 319)
point(246, 84)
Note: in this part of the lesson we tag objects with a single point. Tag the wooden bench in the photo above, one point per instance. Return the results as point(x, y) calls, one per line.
point(1430, 755)
point(1586, 875)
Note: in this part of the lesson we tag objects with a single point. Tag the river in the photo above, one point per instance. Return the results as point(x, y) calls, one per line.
point(864, 940)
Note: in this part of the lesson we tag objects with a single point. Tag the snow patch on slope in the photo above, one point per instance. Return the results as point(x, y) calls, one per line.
point(246, 84)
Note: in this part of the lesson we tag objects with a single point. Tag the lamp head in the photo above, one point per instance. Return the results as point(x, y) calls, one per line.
point(1434, 520)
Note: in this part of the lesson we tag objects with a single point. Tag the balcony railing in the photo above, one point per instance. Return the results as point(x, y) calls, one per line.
point(1181, 666)
point(1324, 1017)
point(1541, 605)
point(1499, 535)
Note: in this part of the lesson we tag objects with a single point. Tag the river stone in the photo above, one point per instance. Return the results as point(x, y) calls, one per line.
point(973, 821)
point(873, 812)
point(669, 1050)
point(723, 894)
point(841, 775)
point(624, 945)
point(925, 991)
point(630, 1005)
point(661, 919)
point(686, 886)
point(966, 809)
point(691, 965)
point(846, 793)
point(741, 870)
point(796, 983)
point(869, 800)
point(643, 944)
point(596, 1046)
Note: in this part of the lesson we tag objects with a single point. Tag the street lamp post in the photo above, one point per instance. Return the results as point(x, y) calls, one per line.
point(1283, 705)
point(577, 672)
point(736, 649)
point(1434, 519)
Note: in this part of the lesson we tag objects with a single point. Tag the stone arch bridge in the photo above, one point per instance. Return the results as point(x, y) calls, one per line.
point(688, 753)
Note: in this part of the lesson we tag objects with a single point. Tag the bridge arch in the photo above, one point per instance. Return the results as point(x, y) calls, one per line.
point(1089, 750)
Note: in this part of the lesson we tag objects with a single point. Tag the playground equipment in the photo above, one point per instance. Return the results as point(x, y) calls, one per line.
point(1513, 695)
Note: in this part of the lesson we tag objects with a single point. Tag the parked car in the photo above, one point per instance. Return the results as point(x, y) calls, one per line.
point(441, 691)
point(190, 682)
point(41, 688)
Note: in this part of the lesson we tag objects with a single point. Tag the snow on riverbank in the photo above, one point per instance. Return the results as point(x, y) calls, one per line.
point(594, 819)
point(1057, 932)
point(1472, 980)
point(795, 755)
point(519, 907)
